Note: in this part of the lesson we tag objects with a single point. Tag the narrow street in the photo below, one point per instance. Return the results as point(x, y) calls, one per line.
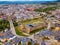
point(49, 25)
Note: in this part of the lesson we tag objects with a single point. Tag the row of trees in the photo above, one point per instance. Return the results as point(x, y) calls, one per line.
point(15, 23)
point(46, 9)
point(4, 24)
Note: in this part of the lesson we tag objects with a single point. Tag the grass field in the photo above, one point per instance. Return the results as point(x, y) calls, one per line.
point(37, 30)
point(18, 32)
point(31, 21)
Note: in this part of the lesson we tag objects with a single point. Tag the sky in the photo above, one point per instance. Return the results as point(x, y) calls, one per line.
point(28, 0)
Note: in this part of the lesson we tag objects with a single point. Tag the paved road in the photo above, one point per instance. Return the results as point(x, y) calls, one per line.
point(12, 27)
point(32, 36)
point(11, 38)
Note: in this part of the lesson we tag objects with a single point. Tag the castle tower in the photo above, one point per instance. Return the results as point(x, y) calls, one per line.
point(20, 26)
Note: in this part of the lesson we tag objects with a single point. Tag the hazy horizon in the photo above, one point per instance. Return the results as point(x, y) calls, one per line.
point(28, 0)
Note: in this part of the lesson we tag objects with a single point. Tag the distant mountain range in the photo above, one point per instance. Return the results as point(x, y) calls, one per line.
point(28, 2)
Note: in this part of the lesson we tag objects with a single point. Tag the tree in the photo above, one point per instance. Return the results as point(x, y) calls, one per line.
point(59, 40)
